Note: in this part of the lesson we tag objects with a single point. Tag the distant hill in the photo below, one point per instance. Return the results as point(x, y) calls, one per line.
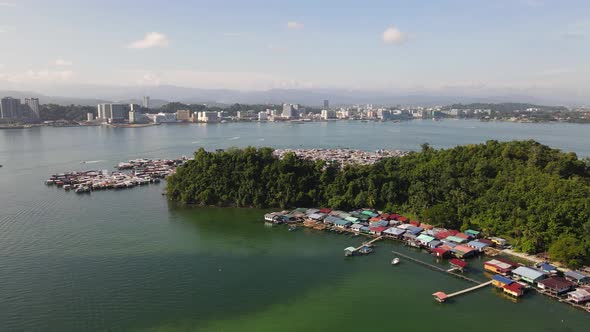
point(505, 107)
point(93, 94)
point(43, 99)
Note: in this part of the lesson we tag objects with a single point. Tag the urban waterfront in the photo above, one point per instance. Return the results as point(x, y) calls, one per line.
point(130, 260)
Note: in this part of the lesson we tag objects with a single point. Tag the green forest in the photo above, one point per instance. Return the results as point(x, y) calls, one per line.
point(536, 196)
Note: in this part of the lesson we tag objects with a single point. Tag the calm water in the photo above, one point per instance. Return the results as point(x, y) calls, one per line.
point(129, 260)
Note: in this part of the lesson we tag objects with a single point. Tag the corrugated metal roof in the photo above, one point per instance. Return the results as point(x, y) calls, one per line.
point(424, 238)
point(477, 244)
point(577, 275)
point(342, 222)
point(500, 264)
point(502, 279)
point(455, 239)
point(463, 248)
point(556, 283)
point(394, 231)
point(527, 272)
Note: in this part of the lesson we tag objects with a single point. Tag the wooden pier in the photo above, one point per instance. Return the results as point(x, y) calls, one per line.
point(438, 268)
point(351, 250)
point(368, 243)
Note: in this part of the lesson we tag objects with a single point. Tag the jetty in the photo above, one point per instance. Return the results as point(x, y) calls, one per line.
point(350, 251)
point(442, 296)
point(437, 268)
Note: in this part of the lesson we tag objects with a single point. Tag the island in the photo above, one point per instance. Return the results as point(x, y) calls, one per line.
point(526, 192)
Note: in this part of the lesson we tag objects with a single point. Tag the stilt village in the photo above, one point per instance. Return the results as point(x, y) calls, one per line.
point(456, 247)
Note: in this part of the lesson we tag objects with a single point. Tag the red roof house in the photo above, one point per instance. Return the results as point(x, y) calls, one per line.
point(514, 289)
point(440, 252)
point(463, 236)
point(556, 285)
point(458, 263)
point(377, 230)
point(442, 235)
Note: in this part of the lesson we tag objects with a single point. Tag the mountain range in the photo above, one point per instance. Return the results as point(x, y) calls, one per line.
point(161, 94)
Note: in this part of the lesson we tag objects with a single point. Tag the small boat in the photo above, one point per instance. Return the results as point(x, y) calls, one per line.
point(81, 190)
point(67, 187)
point(365, 250)
point(395, 261)
point(292, 228)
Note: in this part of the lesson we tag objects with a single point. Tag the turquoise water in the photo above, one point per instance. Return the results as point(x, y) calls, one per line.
point(130, 260)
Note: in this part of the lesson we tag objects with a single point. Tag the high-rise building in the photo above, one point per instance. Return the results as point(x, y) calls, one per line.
point(207, 117)
point(89, 116)
point(290, 111)
point(328, 114)
point(185, 115)
point(117, 113)
point(262, 116)
point(146, 101)
point(111, 112)
point(32, 105)
point(326, 104)
point(136, 116)
point(103, 112)
point(10, 108)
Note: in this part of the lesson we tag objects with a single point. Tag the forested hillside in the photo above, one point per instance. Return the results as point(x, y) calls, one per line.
point(537, 196)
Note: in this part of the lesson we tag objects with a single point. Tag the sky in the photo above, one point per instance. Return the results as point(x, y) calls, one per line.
point(376, 45)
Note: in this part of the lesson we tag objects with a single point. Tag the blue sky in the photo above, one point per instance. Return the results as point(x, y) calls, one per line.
point(254, 45)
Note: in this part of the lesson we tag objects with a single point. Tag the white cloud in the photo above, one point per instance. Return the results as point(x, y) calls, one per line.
point(62, 62)
point(393, 35)
point(295, 25)
point(238, 80)
point(151, 39)
point(555, 72)
point(48, 75)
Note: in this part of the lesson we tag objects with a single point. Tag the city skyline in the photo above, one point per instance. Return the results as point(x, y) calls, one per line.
point(444, 47)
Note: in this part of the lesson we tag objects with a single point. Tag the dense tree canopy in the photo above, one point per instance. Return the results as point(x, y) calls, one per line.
point(536, 196)
point(53, 112)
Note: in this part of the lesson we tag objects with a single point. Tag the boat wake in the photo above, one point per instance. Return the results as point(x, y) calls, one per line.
point(234, 138)
point(195, 142)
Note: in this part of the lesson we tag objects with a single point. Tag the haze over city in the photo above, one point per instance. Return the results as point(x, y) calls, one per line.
point(506, 49)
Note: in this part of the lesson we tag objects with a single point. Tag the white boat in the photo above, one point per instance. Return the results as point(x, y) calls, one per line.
point(395, 261)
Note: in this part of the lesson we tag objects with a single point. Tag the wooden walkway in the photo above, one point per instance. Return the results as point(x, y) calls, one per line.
point(434, 267)
point(368, 243)
point(469, 289)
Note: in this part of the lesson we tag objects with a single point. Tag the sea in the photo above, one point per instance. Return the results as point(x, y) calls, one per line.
point(129, 260)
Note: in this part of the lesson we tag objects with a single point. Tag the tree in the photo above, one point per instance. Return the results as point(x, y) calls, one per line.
point(569, 250)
